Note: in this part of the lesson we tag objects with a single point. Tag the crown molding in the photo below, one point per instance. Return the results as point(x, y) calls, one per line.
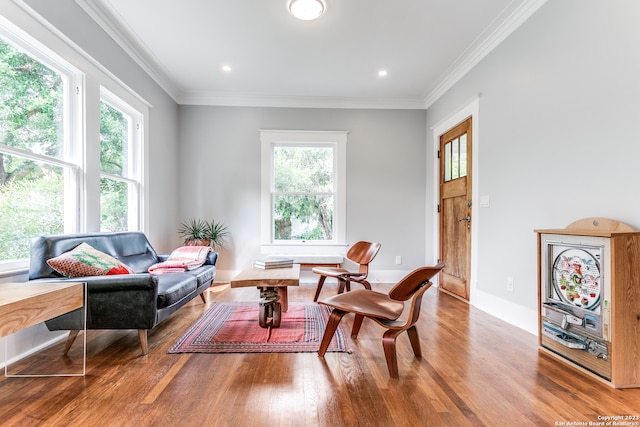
point(44, 30)
point(502, 26)
point(197, 98)
point(108, 19)
point(497, 32)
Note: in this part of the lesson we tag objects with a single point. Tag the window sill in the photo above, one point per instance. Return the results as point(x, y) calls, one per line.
point(304, 248)
point(11, 274)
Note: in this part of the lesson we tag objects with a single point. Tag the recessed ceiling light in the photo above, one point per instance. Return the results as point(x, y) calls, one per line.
point(382, 73)
point(306, 10)
point(226, 68)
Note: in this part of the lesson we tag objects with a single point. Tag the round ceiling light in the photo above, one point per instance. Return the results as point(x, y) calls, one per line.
point(306, 10)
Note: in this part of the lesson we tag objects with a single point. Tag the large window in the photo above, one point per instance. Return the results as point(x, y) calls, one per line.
point(71, 142)
point(303, 192)
point(303, 187)
point(119, 165)
point(39, 177)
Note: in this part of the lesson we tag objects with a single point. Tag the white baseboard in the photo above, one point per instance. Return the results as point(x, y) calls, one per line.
point(514, 314)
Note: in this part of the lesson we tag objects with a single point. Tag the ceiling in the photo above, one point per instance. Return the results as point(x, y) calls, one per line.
point(276, 60)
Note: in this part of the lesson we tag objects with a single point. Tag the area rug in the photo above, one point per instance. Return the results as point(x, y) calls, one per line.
point(234, 328)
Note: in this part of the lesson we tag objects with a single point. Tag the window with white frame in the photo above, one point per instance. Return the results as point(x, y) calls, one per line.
point(40, 174)
point(120, 186)
point(303, 187)
point(53, 160)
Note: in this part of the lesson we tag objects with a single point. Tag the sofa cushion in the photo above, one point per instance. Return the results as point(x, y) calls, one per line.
point(174, 287)
point(203, 275)
point(84, 260)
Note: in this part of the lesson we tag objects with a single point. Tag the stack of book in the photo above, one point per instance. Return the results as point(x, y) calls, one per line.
point(273, 263)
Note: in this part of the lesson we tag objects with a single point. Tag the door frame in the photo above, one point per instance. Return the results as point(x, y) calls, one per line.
point(470, 109)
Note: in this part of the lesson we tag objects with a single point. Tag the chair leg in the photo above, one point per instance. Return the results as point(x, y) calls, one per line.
point(357, 322)
point(319, 287)
point(70, 339)
point(366, 284)
point(332, 325)
point(415, 340)
point(343, 285)
point(389, 345)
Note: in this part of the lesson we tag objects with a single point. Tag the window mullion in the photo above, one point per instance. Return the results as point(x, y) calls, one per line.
point(36, 157)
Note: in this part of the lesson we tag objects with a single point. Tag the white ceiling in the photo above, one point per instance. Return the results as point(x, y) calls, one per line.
point(277, 60)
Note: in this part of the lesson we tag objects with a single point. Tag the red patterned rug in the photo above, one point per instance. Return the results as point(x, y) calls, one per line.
point(233, 328)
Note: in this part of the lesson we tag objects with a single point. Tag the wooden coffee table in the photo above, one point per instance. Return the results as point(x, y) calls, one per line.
point(272, 284)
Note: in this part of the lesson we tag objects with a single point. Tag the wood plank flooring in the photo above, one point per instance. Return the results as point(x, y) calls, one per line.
point(476, 370)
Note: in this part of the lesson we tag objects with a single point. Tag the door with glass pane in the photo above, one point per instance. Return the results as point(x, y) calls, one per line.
point(455, 209)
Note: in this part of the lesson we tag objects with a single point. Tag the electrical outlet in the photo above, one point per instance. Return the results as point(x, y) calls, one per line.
point(510, 284)
point(398, 259)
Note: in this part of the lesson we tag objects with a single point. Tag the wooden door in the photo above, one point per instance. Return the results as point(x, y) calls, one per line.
point(455, 209)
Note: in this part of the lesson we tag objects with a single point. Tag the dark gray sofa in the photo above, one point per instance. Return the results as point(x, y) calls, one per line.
point(130, 301)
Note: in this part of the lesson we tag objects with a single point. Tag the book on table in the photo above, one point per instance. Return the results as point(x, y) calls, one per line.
point(273, 263)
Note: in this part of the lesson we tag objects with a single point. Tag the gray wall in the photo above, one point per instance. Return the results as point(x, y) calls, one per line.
point(163, 173)
point(220, 169)
point(558, 133)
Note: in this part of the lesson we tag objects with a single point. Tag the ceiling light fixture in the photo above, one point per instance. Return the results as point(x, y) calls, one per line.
point(226, 68)
point(382, 73)
point(306, 10)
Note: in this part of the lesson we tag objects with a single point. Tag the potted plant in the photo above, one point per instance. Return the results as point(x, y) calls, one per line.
point(216, 233)
point(198, 232)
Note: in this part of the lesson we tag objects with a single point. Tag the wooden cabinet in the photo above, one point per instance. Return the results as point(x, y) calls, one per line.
point(620, 300)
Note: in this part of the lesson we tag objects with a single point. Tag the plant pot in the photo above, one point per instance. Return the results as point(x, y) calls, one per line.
point(197, 242)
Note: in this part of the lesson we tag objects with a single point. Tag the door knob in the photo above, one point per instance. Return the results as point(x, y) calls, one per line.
point(466, 218)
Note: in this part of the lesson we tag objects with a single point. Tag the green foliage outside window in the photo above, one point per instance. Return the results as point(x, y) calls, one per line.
point(31, 119)
point(114, 138)
point(303, 198)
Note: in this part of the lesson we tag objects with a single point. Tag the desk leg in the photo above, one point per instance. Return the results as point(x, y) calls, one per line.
point(284, 299)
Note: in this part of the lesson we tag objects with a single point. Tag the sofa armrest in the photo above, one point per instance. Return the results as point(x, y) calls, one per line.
point(127, 301)
point(212, 258)
point(121, 282)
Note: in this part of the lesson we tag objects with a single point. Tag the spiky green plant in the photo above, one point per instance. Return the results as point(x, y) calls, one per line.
point(203, 233)
point(193, 229)
point(216, 232)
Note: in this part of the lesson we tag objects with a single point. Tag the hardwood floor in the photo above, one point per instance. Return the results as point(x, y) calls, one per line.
point(475, 370)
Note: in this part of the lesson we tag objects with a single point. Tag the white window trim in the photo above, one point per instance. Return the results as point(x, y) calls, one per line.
point(18, 20)
point(73, 116)
point(268, 138)
point(134, 174)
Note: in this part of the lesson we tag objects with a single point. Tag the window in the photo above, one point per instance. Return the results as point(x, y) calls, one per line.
point(303, 192)
point(303, 181)
point(72, 141)
point(455, 158)
point(39, 177)
point(119, 165)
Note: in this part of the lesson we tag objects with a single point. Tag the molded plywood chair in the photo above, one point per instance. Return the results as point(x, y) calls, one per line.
point(388, 310)
point(362, 253)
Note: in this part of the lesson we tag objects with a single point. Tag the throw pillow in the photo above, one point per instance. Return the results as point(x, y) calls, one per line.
point(84, 260)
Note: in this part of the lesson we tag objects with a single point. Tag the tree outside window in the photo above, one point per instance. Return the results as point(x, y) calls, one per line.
point(114, 157)
point(303, 196)
point(120, 164)
point(32, 168)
